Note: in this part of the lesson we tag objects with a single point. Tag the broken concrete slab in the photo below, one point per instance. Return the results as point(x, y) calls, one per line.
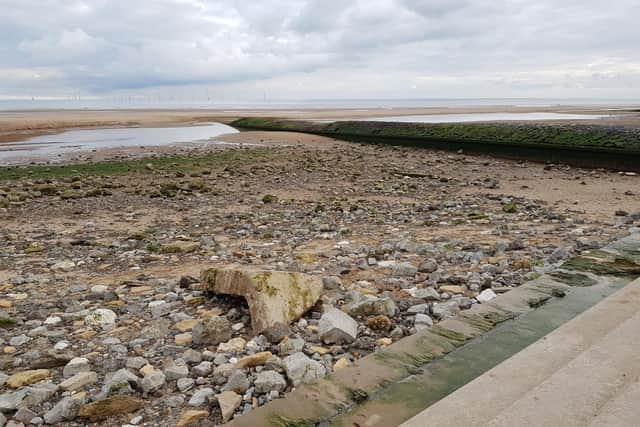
point(273, 296)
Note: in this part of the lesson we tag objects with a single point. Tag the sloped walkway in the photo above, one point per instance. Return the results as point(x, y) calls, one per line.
point(585, 373)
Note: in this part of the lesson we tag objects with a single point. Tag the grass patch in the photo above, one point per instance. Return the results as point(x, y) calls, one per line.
point(173, 164)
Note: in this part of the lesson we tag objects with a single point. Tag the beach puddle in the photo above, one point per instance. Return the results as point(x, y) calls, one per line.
point(485, 117)
point(52, 147)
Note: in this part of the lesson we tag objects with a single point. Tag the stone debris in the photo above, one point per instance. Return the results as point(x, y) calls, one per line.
point(107, 315)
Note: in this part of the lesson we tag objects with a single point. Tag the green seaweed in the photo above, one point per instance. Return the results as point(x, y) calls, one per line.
point(604, 264)
point(573, 279)
point(282, 421)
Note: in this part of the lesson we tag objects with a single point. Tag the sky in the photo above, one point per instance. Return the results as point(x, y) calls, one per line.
point(320, 49)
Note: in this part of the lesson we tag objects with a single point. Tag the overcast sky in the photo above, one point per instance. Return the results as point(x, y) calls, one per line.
point(300, 49)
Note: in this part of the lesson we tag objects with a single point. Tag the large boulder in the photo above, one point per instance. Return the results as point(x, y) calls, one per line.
point(302, 370)
point(273, 296)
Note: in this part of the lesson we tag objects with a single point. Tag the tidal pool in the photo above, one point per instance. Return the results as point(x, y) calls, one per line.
point(50, 147)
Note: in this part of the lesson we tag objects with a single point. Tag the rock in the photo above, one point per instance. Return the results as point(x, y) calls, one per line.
point(452, 289)
point(136, 362)
point(422, 321)
point(342, 363)
point(21, 379)
point(404, 269)
point(486, 296)
point(176, 369)
point(24, 415)
point(101, 317)
point(302, 370)
point(427, 293)
point(269, 380)
point(237, 382)
point(257, 359)
point(19, 340)
point(185, 384)
point(337, 327)
point(331, 283)
point(228, 402)
point(200, 397)
point(273, 296)
point(183, 339)
point(290, 346)
point(153, 380)
point(277, 332)
point(121, 381)
point(115, 405)
point(202, 369)
point(75, 366)
point(370, 305)
point(234, 345)
point(428, 266)
point(559, 254)
point(419, 308)
point(65, 410)
point(79, 380)
point(445, 309)
point(63, 266)
point(212, 331)
point(191, 417)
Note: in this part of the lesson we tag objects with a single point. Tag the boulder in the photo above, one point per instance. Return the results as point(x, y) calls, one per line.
point(337, 327)
point(273, 296)
point(370, 305)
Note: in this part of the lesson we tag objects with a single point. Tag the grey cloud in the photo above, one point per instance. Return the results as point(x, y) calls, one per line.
point(388, 47)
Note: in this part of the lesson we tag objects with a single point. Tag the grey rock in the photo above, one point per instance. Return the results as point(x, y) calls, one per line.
point(291, 345)
point(65, 410)
point(267, 381)
point(153, 381)
point(428, 266)
point(370, 305)
point(331, 283)
point(176, 369)
point(238, 382)
point(202, 369)
point(19, 340)
point(212, 331)
point(185, 384)
point(419, 308)
point(301, 370)
point(24, 415)
point(200, 397)
point(75, 366)
point(404, 269)
point(422, 321)
point(192, 356)
point(445, 309)
point(277, 332)
point(136, 362)
point(337, 327)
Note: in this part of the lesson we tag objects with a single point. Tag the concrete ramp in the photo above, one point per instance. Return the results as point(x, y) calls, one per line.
point(585, 373)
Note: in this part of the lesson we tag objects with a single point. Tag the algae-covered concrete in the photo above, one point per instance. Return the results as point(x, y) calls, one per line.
point(392, 385)
point(273, 296)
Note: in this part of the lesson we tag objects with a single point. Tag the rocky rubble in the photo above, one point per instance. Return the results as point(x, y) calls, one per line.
point(106, 316)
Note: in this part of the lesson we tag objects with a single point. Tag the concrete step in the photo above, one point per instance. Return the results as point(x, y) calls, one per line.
point(622, 410)
point(575, 394)
point(563, 375)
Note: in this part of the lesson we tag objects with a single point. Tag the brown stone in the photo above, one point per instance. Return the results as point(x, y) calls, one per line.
point(27, 377)
point(257, 359)
point(191, 417)
point(108, 407)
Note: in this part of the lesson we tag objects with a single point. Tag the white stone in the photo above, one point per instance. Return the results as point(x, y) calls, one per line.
point(486, 296)
point(102, 317)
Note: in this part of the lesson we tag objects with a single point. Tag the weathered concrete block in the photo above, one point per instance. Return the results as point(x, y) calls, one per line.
point(273, 296)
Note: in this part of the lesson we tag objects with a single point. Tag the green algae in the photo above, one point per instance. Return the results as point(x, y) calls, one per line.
point(281, 421)
point(573, 279)
point(487, 321)
point(604, 264)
